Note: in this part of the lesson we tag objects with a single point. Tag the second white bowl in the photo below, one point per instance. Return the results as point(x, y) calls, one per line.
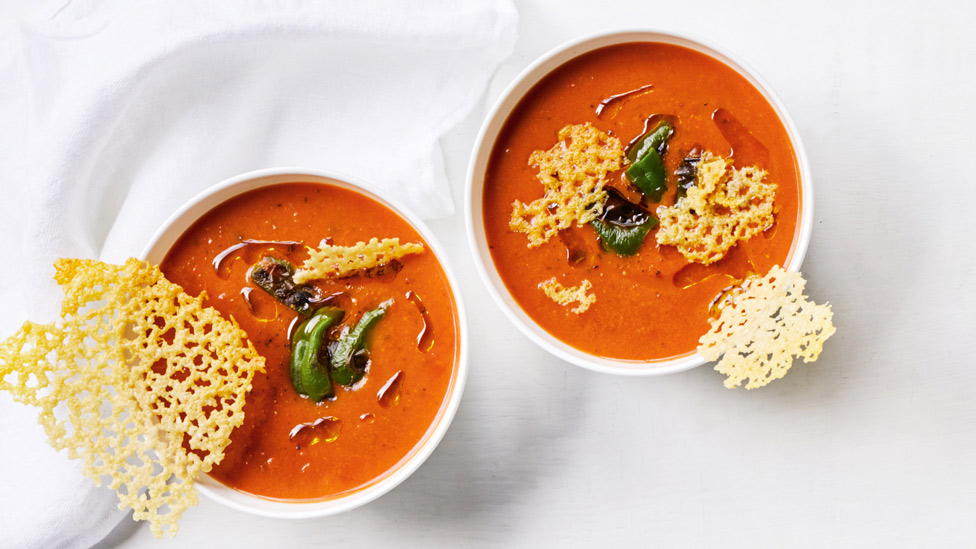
point(482, 152)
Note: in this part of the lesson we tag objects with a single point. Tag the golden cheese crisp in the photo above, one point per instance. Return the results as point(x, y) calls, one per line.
point(573, 294)
point(138, 379)
point(330, 261)
point(725, 206)
point(573, 173)
point(763, 326)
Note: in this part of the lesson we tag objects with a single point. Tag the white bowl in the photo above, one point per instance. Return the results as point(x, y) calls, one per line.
point(482, 152)
point(184, 217)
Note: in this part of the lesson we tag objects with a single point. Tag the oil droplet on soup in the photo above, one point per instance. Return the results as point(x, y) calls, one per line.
point(228, 254)
point(746, 149)
point(425, 339)
point(389, 395)
point(736, 265)
point(323, 429)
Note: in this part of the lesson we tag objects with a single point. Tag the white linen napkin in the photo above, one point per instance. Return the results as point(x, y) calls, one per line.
point(113, 114)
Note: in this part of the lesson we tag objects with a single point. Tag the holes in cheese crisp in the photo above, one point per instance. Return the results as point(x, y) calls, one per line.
point(330, 261)
point(762, 326)
point(128, 346)
point(573, 173)
point(725, 206)
point(567, 295)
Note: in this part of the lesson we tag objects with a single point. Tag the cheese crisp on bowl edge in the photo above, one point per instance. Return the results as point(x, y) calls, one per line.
point(763, 325)
point(147, 383)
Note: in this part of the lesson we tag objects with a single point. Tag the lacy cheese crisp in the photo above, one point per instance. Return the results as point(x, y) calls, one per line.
point(339, 261)
point(138, 379)
point(573, 173)
point(573, 294)
point(763, 326)
point(725, 206)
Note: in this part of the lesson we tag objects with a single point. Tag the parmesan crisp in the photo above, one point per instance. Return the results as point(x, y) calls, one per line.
point(724, 207)
point(138, 380)
point(340, 261)
point(573, 294)
point(573, 173)
point(763, 326)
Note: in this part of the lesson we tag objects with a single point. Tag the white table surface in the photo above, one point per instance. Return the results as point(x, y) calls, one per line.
point(873, 445)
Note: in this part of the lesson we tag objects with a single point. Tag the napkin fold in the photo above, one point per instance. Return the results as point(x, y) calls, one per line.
point(115, 113)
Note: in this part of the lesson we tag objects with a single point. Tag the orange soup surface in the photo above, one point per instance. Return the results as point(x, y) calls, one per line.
point(655, 304)
point(289, 446)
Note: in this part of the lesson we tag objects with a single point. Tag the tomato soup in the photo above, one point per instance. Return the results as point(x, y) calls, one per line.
point(653, 305)
point(289, 446)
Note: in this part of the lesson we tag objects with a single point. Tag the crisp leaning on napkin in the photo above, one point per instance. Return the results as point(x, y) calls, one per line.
point(113, 114)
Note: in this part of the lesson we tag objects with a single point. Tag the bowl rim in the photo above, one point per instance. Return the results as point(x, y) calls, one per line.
point(499, 113)
point(177, 223)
